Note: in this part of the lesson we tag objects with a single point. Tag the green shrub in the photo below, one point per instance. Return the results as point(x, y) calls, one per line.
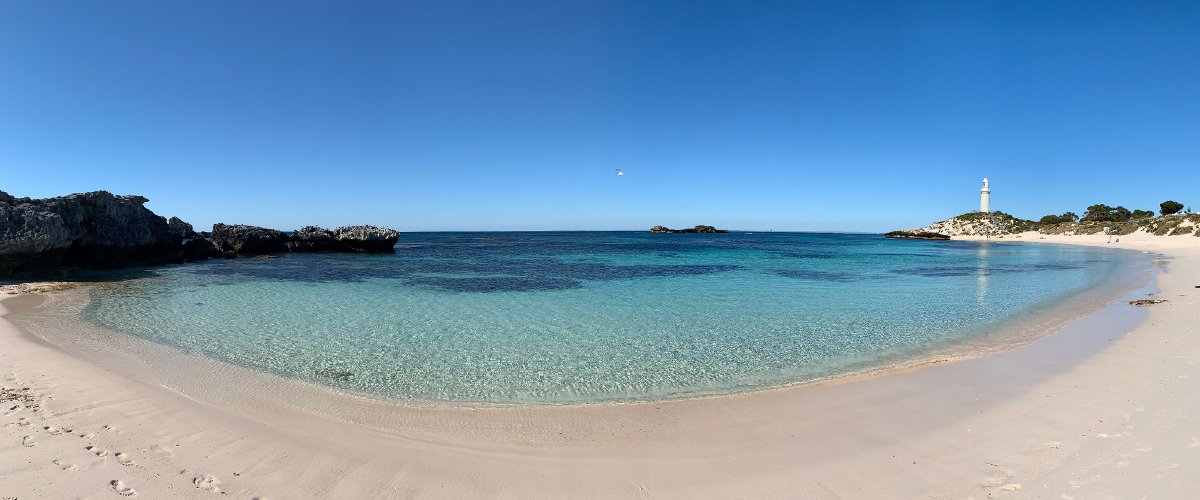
point(1169, 207)
point(1126, 228)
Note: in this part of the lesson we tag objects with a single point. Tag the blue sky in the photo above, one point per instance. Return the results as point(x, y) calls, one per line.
point(830, 116)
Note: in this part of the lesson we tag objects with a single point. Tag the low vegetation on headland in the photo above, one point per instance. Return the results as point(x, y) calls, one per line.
point(1100, 218)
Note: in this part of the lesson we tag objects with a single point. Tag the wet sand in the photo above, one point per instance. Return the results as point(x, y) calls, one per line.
point(1098, 409)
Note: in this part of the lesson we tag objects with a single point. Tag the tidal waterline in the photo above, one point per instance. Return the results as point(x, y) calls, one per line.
point(577, 317)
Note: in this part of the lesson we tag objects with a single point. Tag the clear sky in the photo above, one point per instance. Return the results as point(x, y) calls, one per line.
point(448, 115)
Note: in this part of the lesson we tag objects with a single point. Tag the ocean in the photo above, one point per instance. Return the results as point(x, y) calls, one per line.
point(594, 317)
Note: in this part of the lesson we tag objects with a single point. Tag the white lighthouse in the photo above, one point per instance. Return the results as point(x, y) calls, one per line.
point(985, 205)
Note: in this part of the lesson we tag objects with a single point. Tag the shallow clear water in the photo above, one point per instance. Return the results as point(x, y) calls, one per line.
point(593, 316)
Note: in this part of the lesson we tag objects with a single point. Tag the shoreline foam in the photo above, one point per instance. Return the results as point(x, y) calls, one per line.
point(851, 439)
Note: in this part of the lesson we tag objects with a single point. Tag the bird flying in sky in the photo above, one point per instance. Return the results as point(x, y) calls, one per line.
point(619, 172)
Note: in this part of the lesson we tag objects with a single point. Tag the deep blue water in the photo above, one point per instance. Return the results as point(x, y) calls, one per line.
point(593, 316)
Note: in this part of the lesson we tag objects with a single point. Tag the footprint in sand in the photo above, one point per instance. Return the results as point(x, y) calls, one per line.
point(120, 488)
point(123, 459)
point(207, 482)
point(66, 467)
point(28, 442)
point(1079, 484)
point(54, 431)
point(1038, 446)
point(86, 435)
point(162, 450)
point(99, 452)
point(23, 422)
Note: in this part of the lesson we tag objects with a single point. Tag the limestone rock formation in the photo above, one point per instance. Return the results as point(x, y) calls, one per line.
point(299, 247)
point(365, 239)
point(242, 239)
point(197, 249)
point(93, 230)
point(180, 228)
point(311, 239)
point(697, 229)
point(980, 224)
point(916, 234)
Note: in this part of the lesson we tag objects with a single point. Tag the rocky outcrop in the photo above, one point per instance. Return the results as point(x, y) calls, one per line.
point(916, 234)
point(197, 249)
point(980, 224)
point(697, 229)
point(311, 239)
point(369, 239)
point(242, 239)
point(100, 230)
point(87, 230)
point(300, 247)
point(180, 228)
point(231, 240)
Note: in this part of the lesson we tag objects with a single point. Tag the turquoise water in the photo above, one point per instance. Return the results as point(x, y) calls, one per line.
point(593, 316)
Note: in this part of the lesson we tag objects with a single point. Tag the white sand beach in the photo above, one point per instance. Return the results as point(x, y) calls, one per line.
point(1103, 408)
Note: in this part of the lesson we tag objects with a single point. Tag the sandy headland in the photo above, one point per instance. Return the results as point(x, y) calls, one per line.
point(1101, 408)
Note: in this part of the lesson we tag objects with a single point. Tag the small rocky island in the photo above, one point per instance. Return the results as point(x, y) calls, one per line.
point(697, 229)
point(916, 234)
point(99, 230)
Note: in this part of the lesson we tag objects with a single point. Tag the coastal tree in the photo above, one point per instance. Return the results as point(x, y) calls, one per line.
point(1142, 214)
point(1169, 207)
point(1105, 213)
point(1098, 211)
point(1057, 219)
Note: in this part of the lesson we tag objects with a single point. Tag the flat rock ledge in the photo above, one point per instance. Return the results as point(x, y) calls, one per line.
point(916, 234)
point(369, 239)
point(243, 239)
point(232, 240)
point(311, 239)
point(697, 229)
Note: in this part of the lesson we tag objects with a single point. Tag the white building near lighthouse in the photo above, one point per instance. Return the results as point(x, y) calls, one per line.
point(985, 204)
